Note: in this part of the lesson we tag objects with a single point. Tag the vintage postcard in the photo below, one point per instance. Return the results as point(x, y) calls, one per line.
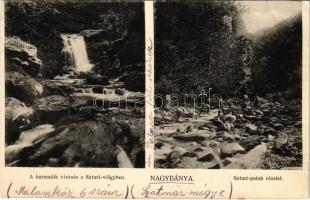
point(163, 99)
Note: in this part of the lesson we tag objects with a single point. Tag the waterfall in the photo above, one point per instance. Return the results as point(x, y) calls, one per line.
point(75, 52)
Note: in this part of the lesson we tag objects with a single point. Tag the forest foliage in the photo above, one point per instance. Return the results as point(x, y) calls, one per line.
point(204, 45)
point(278, 58)
point(196, 49)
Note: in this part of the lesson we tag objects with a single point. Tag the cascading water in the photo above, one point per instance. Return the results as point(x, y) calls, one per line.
point(75, 52)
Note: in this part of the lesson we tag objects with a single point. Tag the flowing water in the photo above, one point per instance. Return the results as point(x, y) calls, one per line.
point(76, 57)
point(75, 52)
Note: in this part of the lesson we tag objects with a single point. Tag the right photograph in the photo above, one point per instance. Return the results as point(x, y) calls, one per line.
point(228, 85)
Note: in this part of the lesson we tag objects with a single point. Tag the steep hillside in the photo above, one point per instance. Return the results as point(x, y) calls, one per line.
point(278, 62)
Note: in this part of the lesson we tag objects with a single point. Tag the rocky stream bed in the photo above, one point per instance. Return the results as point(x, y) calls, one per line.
point(264, 134)
point(77, 119)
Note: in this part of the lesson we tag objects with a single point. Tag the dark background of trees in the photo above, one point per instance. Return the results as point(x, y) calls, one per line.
point(41, 23)
point(278, 58)
point(194, 49)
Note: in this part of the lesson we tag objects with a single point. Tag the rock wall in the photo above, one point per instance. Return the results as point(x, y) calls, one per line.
point(22, 57)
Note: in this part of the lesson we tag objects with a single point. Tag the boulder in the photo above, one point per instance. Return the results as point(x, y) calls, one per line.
point(15, 65)
point(193, 163)
point(52, 87)
point(53, 147)
point(97, 89)
point(252, 117)
point(189, 128)
point(36, 134)
point(250, 128)
point(269, 130)
point(167, 119)
point(164, 113)
point(259, 112)
point(228, 126)
point(281, 140)
point(13, 151)
point(157, 116)
point(93, 79)
point(266, 111)
point(204, 128)
point(228, 137)
point(163, 152)
point(27, 139)
point(15, 109)
point(215, 148)
point(137, 128)
point(185, 112)
point(252, 160)
point(219, 124)
point(15, 46)
point(194, 136)
point(229, 118)
point(158, 145)
point(205, 155)
point(87, 144)
point(208, 124)
point(52, 108)
point(239, 137)
point(22, 87)
point(91, 33)
point(22, 54)
point(189, 113)
point(17, 117)
point(277, 126)
point(270, 138)
point(250, 142)
point(175, 156)
point(240, 116)
point(231, 148)
point(120, 91)
point(177, 152)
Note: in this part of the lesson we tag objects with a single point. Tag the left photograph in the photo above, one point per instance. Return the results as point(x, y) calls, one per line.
point(74, 84)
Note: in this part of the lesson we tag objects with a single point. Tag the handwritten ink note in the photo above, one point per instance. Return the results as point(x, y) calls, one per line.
point(150, 191)
point(149, 137)
point(67, 191)
point(202, 192)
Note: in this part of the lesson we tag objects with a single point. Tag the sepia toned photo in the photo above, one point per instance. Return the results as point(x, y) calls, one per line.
point(74, 84)
point(228, 85)
point(154, 99)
